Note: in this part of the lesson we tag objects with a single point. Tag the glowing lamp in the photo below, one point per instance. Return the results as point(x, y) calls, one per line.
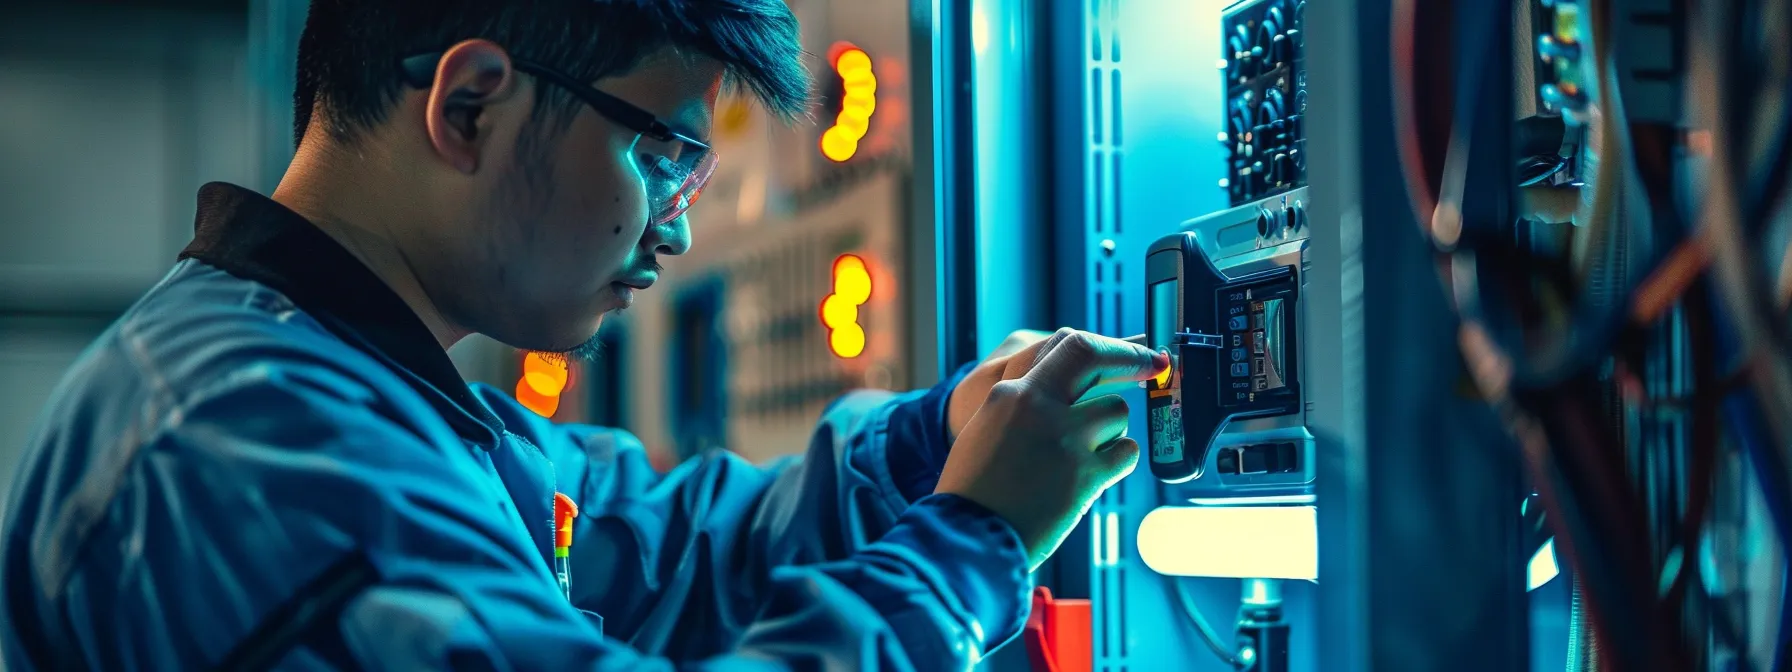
point(542, 382)
point(840, 309)
point(1251, 541)
point(858, 101)
point(1261, 542)
point(1542, 567)
point(848, 341)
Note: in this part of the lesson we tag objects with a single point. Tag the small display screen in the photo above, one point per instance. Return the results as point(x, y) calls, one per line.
point(1268, 365)
point(1163, 311)
point(1258, 351)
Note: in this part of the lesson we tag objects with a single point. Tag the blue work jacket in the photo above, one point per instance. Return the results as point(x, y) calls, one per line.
point(267, 462)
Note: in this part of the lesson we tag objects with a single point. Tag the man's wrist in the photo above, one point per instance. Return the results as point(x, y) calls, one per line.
point(920, 437)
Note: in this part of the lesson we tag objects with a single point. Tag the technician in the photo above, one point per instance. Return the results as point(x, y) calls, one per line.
point(269, 460)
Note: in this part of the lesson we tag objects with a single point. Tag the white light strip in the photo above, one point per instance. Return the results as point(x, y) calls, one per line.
point(1113, 539)
point(1543, 566)
point(1261, 542)
point(1095, 546)
point(1253, 501)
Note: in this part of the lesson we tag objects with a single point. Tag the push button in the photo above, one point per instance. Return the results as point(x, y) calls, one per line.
point(1227, 461)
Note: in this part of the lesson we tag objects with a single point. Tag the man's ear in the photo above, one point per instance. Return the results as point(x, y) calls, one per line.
point(471, 77)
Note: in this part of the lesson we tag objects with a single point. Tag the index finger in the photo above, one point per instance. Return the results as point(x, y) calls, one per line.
point(1080, 360)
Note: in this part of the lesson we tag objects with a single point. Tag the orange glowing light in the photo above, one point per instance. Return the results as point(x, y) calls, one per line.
point(857, 102)
point(840, 309)
point(1163, 377)
point(542, 382)
point(543, 405)
point(848, 341)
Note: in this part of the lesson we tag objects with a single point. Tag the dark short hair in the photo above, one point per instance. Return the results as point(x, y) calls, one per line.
point(350, 49)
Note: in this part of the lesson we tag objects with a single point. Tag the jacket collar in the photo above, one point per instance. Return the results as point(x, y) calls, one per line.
point(252, 237)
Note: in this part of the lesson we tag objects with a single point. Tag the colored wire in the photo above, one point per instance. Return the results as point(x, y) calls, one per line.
point(1744, 425)
point(1580, 469)
point(1192, 611)
point(1209, 636)
point(1767, 187)
point(1731, 221)
point(1740, 413)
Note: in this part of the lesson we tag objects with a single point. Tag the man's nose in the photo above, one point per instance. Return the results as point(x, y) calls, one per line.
point(671, 238)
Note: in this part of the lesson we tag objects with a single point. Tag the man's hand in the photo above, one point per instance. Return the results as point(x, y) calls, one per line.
point(970, 393)
point(1035, 453)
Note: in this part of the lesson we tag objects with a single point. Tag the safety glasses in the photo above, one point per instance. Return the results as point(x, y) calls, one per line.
point(675, 166)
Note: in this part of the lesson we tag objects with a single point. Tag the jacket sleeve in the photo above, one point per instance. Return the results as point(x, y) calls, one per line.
point(686, 563)
point(289, 509)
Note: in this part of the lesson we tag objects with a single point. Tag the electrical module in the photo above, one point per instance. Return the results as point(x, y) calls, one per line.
point(1223, 299)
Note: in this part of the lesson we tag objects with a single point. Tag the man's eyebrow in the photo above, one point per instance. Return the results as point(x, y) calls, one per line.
point(690, 117)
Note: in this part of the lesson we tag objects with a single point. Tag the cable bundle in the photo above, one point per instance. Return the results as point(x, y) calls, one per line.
point(1631, 315)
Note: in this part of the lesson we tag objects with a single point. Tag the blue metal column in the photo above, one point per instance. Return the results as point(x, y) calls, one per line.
point(944, 229)
point(1420, 559)
point(1008, 48)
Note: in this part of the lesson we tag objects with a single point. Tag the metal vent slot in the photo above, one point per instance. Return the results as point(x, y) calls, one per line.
point(1098, 215)
point(1114, 104)
point(1095, 105)
point(1095, 31)
point(1114, 38)
point(1108, 605)
point(1100, 308)
point(1119, 325)
point(1120, 600)
point(1114, 177)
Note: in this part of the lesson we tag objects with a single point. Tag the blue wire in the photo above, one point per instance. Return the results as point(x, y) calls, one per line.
point(1744, 421)
point(1742, 415)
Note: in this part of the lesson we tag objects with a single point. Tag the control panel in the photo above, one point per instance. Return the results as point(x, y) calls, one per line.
point(1223, 299)
point(1552, 143)
point(1266, 98)
point(1562, 85)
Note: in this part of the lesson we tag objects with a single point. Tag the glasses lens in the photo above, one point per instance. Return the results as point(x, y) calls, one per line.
point(689, 188)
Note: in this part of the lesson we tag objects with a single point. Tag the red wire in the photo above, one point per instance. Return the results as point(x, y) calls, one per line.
point(1616, 503)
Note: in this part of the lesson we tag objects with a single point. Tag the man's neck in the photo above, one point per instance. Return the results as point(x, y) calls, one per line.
point(340, 198)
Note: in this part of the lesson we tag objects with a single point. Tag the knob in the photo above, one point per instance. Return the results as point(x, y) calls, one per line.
point(1269, 40)
point(1266, 222)
point(1567, 97)
point(1549, 48)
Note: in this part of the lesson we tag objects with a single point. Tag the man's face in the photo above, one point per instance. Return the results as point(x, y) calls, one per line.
point(549, 230)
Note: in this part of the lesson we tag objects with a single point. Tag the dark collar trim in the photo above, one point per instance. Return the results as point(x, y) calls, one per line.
point(252, 237)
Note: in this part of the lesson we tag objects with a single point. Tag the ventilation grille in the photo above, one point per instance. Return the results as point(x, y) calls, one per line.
point(1107, 315)
point(1105, 160)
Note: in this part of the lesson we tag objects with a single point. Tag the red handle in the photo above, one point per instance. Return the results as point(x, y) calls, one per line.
point(1058, 634)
